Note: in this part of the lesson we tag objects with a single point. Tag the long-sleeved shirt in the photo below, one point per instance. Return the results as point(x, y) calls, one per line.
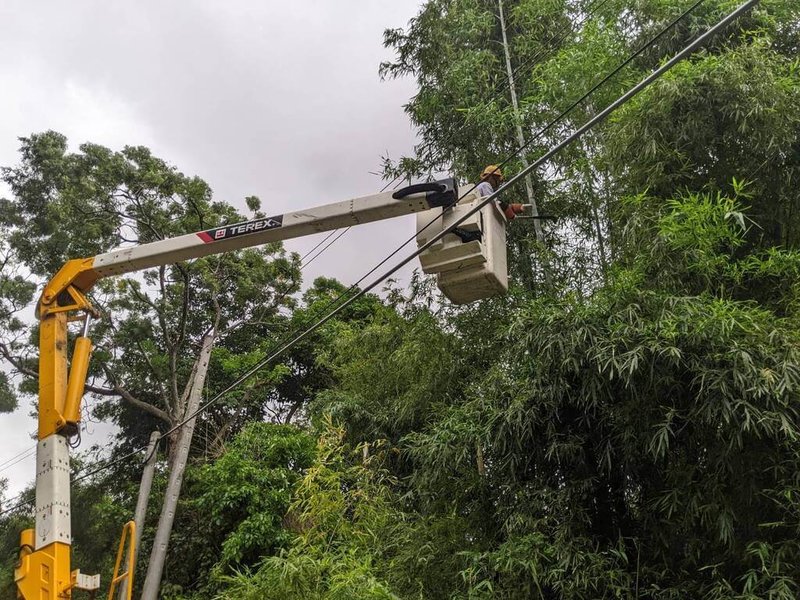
point(484, 188)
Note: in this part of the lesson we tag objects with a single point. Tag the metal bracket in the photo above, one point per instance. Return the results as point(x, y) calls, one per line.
point(87, 583)
point(437, 193)
point(69, 300)
point(528, 214)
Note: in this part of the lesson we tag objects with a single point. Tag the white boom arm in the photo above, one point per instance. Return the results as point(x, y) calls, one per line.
point(227, 238)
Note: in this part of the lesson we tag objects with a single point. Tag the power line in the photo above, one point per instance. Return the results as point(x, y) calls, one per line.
point(29, 454)
point(342, 232)
point(533, 59)
point(484, 202)
point(18, 505)
point(327, 237)
point(601, 116)
point(26, 451)
point(282, 346)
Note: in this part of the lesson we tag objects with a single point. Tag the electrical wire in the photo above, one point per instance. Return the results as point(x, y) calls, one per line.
point(281, 347)
point(26, 455)
point(341, 233)
point(327, 237)
point(18, 505)
point(17, 455)
point(552, 152)
point(601, 116)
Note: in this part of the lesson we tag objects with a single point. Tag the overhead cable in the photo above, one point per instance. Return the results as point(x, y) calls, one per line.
point(13, 459)
point(601, 116)
point(331, 234)
point(535, 58)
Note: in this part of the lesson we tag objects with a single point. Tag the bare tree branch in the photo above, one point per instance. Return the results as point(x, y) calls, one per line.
point(17, 363)
point(115, 390)
point(121, 392)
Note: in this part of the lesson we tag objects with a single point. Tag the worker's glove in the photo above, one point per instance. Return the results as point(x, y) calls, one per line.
point(512, 210)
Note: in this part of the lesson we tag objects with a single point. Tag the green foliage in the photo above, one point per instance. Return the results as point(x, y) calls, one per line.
point(714, 118)
point(68, 205)
point(8, 399)
point(249, 488)
point(16, 292)
point(342, 515)
point(643, 438)
point(10, 526)
point(303, 372)
point(391, 372)
point(234, 508)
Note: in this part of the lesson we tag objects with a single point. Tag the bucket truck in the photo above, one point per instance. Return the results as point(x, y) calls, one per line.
point(466, 269)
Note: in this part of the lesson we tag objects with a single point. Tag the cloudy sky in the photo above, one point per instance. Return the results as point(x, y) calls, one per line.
point(276, 99)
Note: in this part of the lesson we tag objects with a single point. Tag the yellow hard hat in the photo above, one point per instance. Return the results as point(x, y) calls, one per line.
point(492, 170)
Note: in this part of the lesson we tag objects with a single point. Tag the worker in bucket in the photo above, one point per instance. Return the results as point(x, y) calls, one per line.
point(491, 180)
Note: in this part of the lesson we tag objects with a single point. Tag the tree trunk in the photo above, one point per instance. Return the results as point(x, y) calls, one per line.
point(141, 505)
point(537, 225)
point(155, 568)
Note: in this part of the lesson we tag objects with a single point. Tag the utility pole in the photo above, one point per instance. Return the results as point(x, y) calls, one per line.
point(155, 568)
point(141, 504)
point(537, 225)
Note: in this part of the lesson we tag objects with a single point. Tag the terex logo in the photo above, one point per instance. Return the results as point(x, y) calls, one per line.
point(229, 231)
point(251, 226)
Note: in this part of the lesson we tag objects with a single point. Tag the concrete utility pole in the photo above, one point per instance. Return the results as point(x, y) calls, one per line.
point(141, 503)
point(155, 569)
point(537, 225)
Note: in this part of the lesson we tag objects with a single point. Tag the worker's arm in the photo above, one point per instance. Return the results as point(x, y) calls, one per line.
point(484, 188)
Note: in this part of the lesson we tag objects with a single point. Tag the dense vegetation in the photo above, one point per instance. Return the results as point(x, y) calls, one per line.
point(624, 423)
